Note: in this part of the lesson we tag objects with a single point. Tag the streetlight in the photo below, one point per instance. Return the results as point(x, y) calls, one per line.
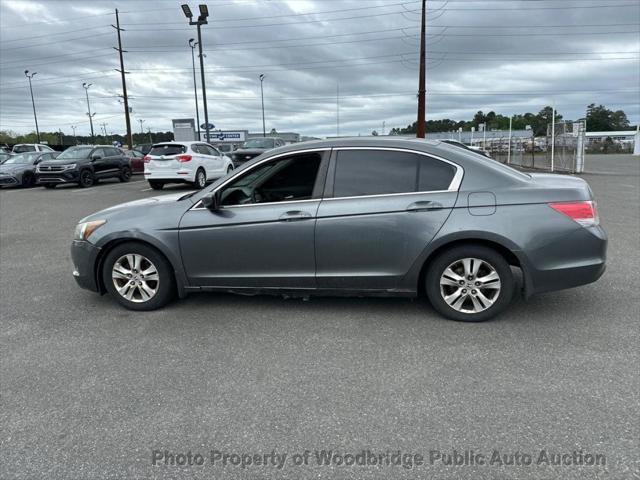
point(193, 44)
point(264, 130)
point(141, 129)
point(202, 20)
point(86, 91)
point(35, 117)
point(74, 133)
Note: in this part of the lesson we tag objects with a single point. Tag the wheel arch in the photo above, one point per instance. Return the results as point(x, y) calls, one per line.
point(505, 247)
point(109, 245)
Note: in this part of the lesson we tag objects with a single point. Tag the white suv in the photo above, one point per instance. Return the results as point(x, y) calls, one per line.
point(184, 162)
point(31, 147)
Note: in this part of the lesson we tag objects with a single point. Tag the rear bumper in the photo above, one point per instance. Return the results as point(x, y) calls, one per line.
point(9, 181)
point(575, 260)
point(170, 176)
point(84, 256)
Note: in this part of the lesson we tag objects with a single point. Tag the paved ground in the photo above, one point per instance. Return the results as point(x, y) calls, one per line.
point(89, 390)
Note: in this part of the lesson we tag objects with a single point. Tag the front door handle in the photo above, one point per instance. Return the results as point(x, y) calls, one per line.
point(424, 206)
point(294, 215)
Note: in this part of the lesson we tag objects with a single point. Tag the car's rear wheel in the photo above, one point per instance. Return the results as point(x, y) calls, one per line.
point(156, 185)
point(469, 283)
point(86, 179)
point(138, 277)
point(229, 169)
point(125, 174)
point(201, 179)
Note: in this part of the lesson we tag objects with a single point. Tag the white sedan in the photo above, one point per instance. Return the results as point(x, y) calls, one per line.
point(184, 162)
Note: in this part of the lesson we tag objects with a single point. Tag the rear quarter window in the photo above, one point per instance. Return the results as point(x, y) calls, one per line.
point(170, 149)
point(434, 175)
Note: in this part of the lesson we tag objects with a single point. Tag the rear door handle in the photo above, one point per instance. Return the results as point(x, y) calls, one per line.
point(294, 215)
point(424, 206)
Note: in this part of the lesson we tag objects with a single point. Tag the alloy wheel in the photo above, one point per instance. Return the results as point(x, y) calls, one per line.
point(201, 179)
point(470, 285)
point(135, 278)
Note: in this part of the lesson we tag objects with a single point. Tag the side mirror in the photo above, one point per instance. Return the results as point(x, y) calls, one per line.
point(211, 202)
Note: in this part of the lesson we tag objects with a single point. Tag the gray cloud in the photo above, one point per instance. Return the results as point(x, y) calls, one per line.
point(506, 56)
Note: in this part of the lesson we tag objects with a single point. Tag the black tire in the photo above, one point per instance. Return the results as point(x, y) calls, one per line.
point(50, 186)
point(229, 169)
point(156, 185)
point(86, 179)
point(125, 174)
point(28, 180)
point(455, 254)
point(166, 288)
point(201, 179)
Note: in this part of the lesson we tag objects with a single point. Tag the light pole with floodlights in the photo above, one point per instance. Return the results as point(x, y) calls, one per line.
point(192, 44)
point(264, 130)
point(202, 20)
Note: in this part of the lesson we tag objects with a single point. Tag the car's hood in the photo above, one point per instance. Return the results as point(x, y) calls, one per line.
point(142, 206)
point(17, 168)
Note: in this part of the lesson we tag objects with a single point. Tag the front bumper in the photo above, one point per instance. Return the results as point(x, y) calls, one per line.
point(84, 256)
point(68, 176)
point(9, 181)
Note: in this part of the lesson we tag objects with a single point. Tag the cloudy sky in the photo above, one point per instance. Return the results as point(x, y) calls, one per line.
point(510, 56)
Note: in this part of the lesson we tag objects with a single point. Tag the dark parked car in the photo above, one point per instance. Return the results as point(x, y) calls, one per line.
point(357, 217)
point(20, 170)
point(84, 165)
point(254, 147)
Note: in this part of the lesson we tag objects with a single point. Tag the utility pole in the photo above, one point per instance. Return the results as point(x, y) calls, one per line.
point(195, 86)
point(202, 20)
point(33, 103)
point(264, 129)
point(86, 91)
point(422, 88)
point(124, 82)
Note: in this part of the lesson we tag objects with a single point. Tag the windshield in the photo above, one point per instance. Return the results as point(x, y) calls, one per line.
point(24, 148)
point(259, 143)
point(75, 152)
point(22, 158)
point(167, 149)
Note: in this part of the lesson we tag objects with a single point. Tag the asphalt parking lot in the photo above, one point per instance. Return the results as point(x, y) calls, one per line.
point(89, 390)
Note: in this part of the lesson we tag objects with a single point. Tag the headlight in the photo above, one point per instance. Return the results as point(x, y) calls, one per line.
point(85, 229)
point(71, 166)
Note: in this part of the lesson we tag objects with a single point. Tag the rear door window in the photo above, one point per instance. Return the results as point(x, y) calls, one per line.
point(374, 172)
point(168, 149)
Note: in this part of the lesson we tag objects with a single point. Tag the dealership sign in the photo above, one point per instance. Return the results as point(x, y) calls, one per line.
point(231, 135)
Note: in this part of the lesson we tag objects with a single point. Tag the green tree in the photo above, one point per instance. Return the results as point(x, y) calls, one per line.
point(601, 119)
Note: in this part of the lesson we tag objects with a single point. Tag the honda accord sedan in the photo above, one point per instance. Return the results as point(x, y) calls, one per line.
point(385, 217)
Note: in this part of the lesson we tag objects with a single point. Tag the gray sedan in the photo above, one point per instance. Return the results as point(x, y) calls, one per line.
point(19, 170)
point(389, 217)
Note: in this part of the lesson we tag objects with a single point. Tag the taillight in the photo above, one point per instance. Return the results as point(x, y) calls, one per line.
point(584, 213)
point(183, 158)
point(146, 159)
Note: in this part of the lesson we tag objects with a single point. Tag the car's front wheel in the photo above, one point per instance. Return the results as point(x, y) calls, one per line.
point(470, 283)
point(138, 277)
point(86, 179)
